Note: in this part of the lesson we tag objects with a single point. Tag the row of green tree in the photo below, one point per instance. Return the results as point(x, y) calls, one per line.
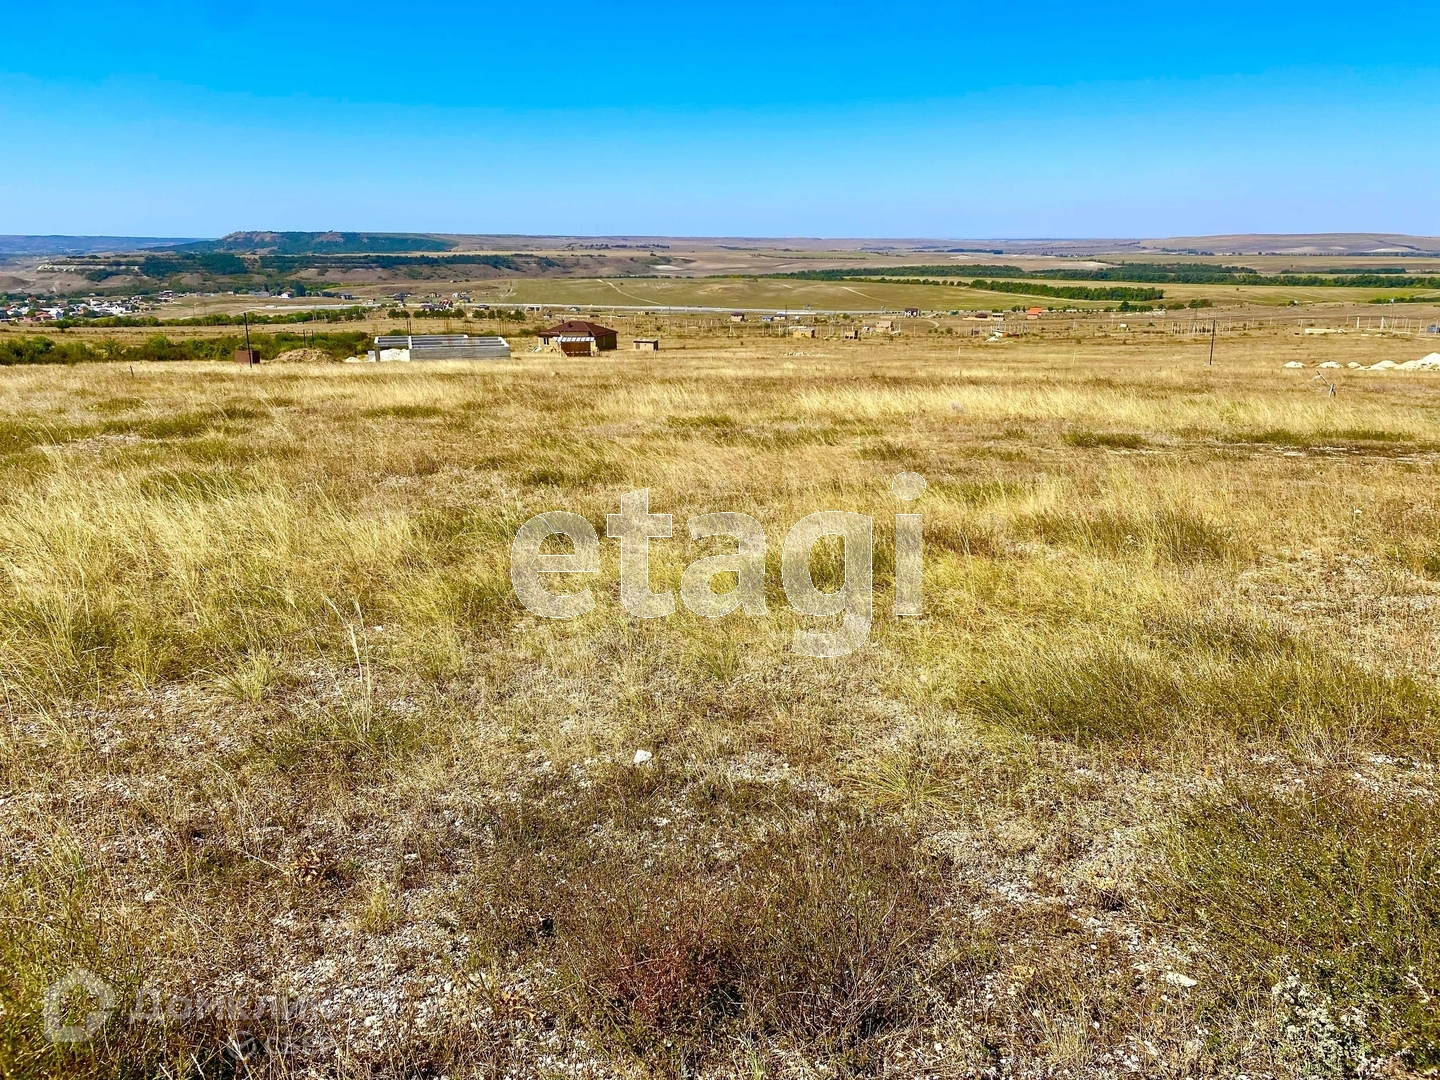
point(42, 349)
point(1168, 273)
point(508, 314)
point(1351, 270)
point(1031, 288)
point(334, 315)
point(1068, 292)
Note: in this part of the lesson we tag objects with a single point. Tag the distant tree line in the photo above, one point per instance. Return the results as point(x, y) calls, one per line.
point(349, 314)
point(160, 267)
point(223, 264)
point(290, 264)
point(1179, 273)
point(948, 271)
point(1351, 270)
point(217, 263)
point(1168, 273)
point(1031, 288)
point(509, 314)
point(1068, 292)
point(223, 271)
point(1353, 281)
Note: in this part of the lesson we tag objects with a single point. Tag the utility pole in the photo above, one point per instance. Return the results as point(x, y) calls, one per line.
point(249, 355)
point(1212, 343)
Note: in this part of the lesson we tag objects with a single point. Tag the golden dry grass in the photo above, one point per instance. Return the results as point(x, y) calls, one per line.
point(1148, 788)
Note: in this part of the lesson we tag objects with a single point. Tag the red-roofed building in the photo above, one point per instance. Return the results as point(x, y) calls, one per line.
point(575, 337)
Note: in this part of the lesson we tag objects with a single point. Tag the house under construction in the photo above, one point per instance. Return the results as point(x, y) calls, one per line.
point(440, 347)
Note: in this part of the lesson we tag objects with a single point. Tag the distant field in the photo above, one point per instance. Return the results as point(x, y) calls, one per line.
point(1149, 788)
point(723, 293)
point(779, 294)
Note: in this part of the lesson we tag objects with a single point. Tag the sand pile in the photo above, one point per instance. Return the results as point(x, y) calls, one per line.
point(1425, 363)
point(303, 356)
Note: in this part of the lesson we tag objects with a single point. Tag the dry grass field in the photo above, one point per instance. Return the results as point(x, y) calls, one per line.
point(1149, 789)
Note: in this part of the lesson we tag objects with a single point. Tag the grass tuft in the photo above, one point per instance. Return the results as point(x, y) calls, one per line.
point(1114, 440)
point(1174, 535)
point(1327, 903)
point(249, 680)
point(1111, 692)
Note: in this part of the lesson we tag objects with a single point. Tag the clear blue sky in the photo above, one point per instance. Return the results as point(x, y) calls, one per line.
point(775, 119)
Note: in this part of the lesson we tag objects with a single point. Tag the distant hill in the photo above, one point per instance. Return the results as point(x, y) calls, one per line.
point(268, 242)
point(83, 245)
point(1299, 244)
point(319, 243)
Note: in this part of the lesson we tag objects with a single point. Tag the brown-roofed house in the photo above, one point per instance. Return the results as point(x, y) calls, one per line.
point(576, 337)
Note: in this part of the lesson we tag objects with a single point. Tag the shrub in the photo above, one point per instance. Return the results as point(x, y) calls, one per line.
point(41, 349)
point(814, 928)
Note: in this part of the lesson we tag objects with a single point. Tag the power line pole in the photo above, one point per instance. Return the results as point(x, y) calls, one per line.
point(1212, 343)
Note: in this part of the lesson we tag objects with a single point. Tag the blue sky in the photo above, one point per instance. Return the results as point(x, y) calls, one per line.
point(774, 119)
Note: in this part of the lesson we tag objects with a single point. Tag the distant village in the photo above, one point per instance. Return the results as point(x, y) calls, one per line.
point(33, 309)
point(38, 308)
